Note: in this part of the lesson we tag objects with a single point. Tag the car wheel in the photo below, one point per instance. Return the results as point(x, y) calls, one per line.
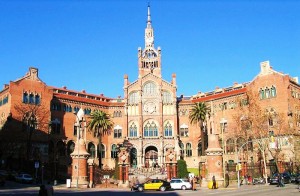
point(183, 187)
point(140, 189)
point(162, 188)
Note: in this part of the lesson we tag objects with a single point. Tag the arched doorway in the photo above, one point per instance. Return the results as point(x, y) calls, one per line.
point(151, 157)
point(133, 157)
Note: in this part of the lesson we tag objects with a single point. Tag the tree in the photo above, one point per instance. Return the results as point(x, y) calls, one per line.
point(198, 114)
point(182, 171)
point(34, 117)
point(99, 124)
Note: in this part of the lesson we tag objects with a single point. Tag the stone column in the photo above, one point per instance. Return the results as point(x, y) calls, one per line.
point(214, 160)
point(91, 169)
point(79, 165)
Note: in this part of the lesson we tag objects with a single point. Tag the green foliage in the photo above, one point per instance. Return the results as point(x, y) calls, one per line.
point(117, 171)
point(182, 171)
point(194, 171)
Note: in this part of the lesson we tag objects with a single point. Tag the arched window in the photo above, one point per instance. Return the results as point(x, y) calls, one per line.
point(70, 147)
point(199, 149)
point(230, 146)
point(166, 97)
point(149, 88)
point(133, 130)
point(31, 98)
point(273, 91)
point(241, 141)
point(102, 153)
point(262, 94)
point(91, 150)
point(133, 98)
point(188, 150)
point(150, 129)
point(37, 99)
point(55, 126)
point(267, 92)
point(181, 145)
point(76, 109)
point(87, 111)
point(168, 129)
point(25, 98)
point(114, 151)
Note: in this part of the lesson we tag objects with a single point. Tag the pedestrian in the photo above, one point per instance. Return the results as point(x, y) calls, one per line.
point(49, 189)
point(194, 183)
point(200, 180)
point(214, 186)
point(227, 179)
point(42, 191)
point(279, 180)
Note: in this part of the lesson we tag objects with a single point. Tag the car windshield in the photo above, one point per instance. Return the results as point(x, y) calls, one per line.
point(27, 176)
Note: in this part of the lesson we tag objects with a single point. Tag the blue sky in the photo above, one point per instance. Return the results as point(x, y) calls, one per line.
point(90, 45)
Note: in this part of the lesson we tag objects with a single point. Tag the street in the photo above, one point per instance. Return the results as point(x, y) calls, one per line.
point(257, 190)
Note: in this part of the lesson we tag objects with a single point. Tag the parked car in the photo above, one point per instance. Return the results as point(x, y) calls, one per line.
point(294, 178)
point(286, 178)
point(178, 183)
point(2, 180)
point(4, 173)
point(24, 178)
point(297, 179)
point(153, 184)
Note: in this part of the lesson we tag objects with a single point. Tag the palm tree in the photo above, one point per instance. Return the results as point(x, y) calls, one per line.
point(198, 115)
point(100, 123)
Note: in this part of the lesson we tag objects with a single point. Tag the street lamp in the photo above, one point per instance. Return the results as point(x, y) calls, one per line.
point(79, 119)
point(223, 122)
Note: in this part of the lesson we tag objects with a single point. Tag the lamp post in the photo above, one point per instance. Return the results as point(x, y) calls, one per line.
point(79, 119)
point(31, 126)
point(223, 122)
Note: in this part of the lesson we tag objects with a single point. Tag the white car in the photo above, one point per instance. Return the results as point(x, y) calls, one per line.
point(178, 183)
point(24, 178)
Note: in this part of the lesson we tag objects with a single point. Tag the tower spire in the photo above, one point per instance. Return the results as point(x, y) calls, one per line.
point(149, 17)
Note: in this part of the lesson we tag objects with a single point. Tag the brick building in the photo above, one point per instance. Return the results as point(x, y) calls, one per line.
point(37, 120)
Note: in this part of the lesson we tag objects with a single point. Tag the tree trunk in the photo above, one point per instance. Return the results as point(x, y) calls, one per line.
point(202, 139)
point(100, 149)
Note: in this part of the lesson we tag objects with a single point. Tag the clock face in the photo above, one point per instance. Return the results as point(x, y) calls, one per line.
point(149, 39)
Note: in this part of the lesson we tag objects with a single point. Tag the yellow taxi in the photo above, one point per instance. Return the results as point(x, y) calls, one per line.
point(153, 184)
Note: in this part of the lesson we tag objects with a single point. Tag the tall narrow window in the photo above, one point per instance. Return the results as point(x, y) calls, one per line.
point(262, 94)
point(133, 130)
point(181, 145)
point(230, 146)
point(273, 91)
point(267, 92)
point(188, 150)
point(117, 133)
point(37, 99)
point(168, 130)
point(199, 149)
point(25, 98)
point(31, 98)
point(114, 151)
point(102, 153)
point(91, 150)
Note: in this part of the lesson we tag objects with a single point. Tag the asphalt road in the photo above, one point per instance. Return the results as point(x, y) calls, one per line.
point(12, 188)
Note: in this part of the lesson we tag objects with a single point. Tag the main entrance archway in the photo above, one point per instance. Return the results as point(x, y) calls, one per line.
point(151, 157)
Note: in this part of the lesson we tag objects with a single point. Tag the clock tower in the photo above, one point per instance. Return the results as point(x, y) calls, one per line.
point(150, 107)
point(149, 59)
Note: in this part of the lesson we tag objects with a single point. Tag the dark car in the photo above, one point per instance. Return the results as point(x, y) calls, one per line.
point(285, 176)
point(2, 180)
point(153, 184)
